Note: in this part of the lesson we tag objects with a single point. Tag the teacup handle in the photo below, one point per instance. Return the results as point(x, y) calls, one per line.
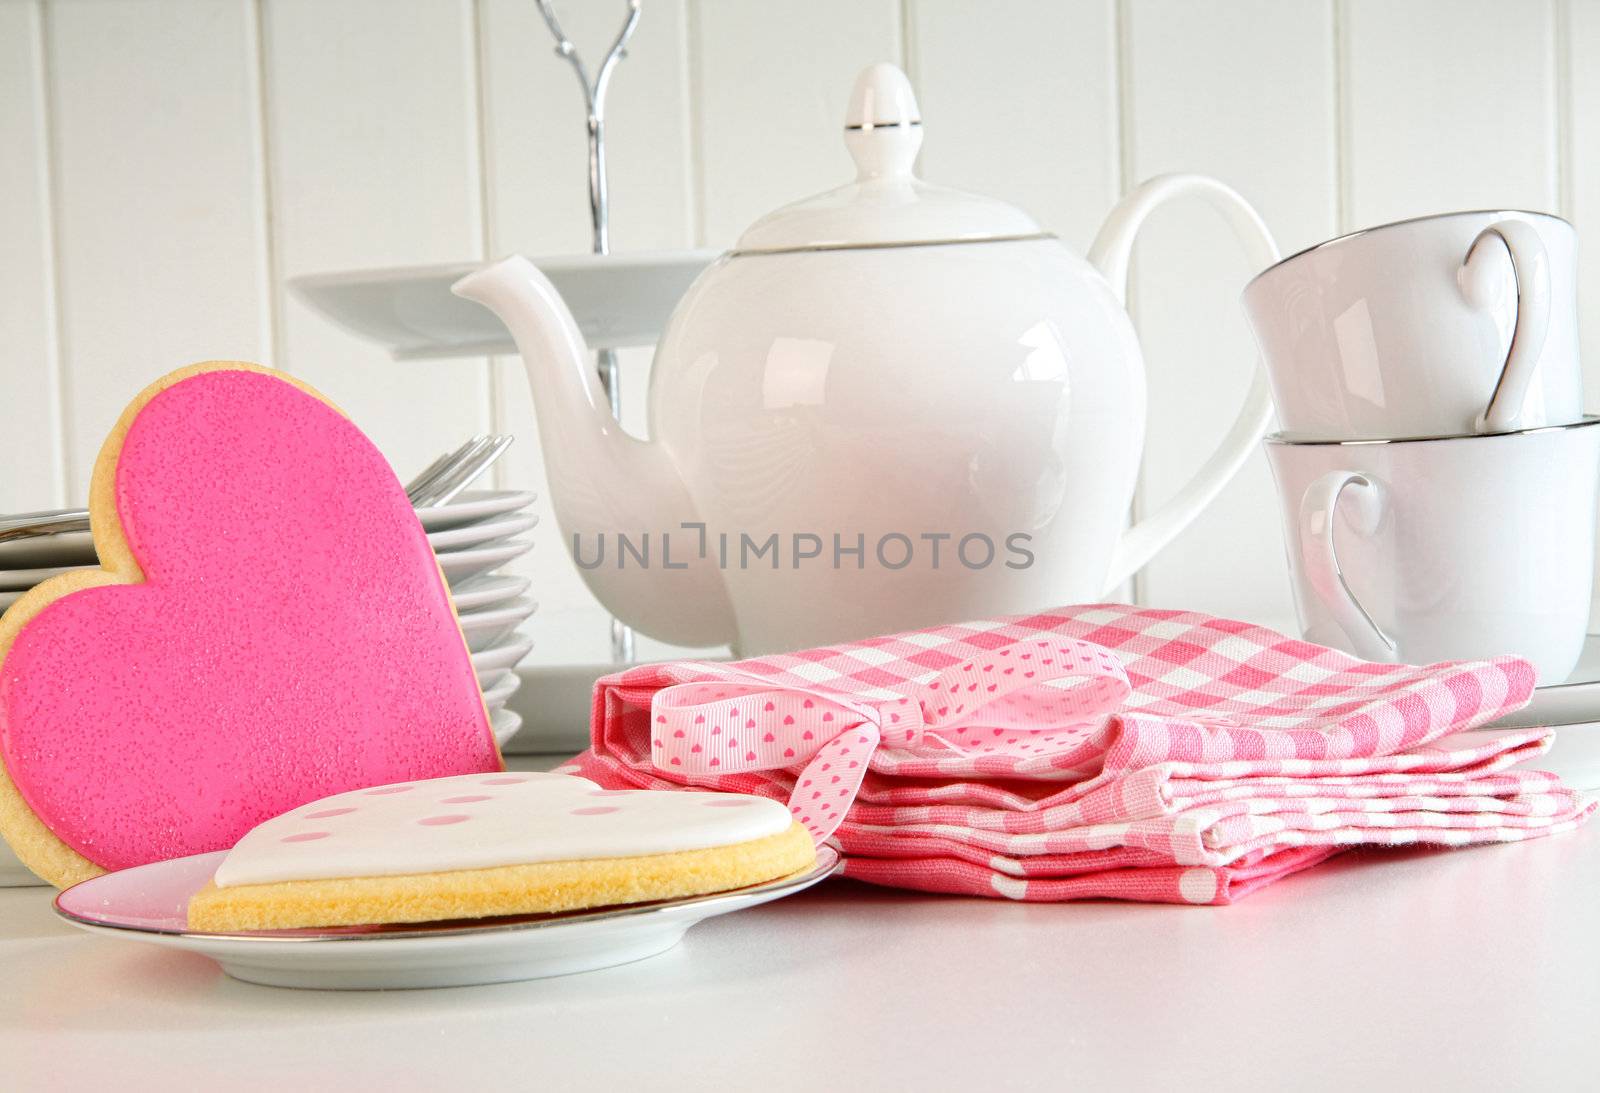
point(1530, 273)
point(1110, 254)
point(1319, 562)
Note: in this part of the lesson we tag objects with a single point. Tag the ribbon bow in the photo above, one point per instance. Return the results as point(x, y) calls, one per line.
point(827, 732)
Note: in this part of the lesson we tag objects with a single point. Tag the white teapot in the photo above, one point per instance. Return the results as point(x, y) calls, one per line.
point(888, 406)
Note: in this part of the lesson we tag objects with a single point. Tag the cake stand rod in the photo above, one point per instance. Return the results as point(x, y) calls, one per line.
point(594, 95)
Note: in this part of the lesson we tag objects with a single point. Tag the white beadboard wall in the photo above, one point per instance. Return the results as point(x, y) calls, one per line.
point(167, 164)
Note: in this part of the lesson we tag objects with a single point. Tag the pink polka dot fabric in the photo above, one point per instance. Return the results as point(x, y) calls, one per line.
point(1043, 693)
point(1102, 751)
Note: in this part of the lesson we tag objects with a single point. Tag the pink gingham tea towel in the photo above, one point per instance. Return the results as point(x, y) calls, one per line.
point(1096, 751)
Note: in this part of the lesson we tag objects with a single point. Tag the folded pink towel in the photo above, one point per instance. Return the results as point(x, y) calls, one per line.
point(1100, 751)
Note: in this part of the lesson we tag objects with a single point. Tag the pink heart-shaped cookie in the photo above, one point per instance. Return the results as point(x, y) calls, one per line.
point(270, 627)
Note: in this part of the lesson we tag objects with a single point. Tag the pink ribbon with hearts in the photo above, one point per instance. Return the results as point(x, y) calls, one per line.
point(743, 722)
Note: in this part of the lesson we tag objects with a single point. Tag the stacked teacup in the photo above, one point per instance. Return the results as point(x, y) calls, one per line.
point(1436, 473)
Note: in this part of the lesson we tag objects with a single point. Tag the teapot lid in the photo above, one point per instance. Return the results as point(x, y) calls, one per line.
point(887, 205)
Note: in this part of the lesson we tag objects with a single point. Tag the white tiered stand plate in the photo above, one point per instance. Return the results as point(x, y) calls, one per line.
point(619, 300)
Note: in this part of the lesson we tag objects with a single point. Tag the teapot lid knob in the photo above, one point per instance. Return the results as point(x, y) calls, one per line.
point(886, 205)
point(883, 126)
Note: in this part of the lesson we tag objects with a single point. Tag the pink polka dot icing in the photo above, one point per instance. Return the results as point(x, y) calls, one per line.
point(467, 799)
point(532, 818)
point(289, 635)
point(328, 813)
point(306, 836)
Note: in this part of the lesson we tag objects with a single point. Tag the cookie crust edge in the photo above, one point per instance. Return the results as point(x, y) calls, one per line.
point(533, 888)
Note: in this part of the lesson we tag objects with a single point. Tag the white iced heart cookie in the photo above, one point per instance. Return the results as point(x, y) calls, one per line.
point(493, 844)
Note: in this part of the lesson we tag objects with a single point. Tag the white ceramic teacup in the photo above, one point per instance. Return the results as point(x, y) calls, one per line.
point(1447, 548)
point(1442, 325)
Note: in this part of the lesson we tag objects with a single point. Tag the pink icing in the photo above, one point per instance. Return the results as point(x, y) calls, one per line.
point(292, 639)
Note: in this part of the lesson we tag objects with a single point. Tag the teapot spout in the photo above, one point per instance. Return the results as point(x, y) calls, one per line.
point(620, 501)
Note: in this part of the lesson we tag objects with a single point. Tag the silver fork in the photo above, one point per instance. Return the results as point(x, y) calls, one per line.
point(421, 488)
point(438, 483)
point(464, 472)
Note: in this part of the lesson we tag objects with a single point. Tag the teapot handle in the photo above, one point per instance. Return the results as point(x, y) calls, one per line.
point(1110, 254)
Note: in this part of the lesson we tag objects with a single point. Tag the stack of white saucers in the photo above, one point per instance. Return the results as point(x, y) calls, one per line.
point(473, 535)
point(26, 562)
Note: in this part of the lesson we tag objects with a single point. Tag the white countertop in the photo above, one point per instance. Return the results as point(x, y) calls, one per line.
point(1474, 969)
